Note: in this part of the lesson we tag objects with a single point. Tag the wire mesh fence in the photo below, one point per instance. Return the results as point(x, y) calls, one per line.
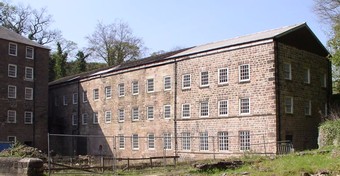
point(91, 153)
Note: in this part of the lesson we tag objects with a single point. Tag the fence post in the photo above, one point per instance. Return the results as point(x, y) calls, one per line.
point(151, 162)
point(264, 145)
point(128, 163)
point(48, 154)
point(213, 139)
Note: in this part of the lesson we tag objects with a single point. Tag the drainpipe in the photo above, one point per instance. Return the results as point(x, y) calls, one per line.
point(277, 89)
point(175, 109)
point(34, 99)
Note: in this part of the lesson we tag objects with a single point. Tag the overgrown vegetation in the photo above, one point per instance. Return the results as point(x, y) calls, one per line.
point(20, 150)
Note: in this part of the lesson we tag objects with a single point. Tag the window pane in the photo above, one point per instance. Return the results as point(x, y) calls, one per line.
point(150, 85)
point(222, 75)
point(244, 106)
point(186, 139)
point(167, 83)
point(244, 73)
point(223, 141)
point(204, 78)
point(150, 112)
point(135, 88)
point(167, 111)
point(151, 141)
point(204, 141)
point(185, 110)
point(223, 108)
point(244, 140)
point(204, 109)
point(186, 82)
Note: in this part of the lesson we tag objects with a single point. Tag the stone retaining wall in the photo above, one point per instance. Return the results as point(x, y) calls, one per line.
point(14, 166)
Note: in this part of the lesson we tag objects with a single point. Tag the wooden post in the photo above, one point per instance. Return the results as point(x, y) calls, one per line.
point(128, 163)
point(151, 162)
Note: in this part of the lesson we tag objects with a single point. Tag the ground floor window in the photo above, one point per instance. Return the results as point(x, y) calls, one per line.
point(244, 140)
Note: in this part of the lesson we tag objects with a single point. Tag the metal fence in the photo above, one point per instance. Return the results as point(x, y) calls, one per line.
point(91, 153)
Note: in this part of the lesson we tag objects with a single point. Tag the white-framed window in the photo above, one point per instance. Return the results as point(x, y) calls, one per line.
point(244, 106)
point(150, 112)
point(84, 96)
point(244, 140)
point(108, 116)
point(12, 91)
point(121, 139)
point(12, 49)
point(135, 114)
point(186, 141)
point(121, 90)
point(74, 119)
point(287, 71)
point(324, 80)
point(289, 104)
point(222, 75)
point(12, 139)
point(95, 117)
point(84, 119)
point(135, 88)
point(167, 83)
point(28, 118)
point(306, 76)
point(135, 143)
point(204, 79)
point(167, 141)
point(75, 98)
point(108, 92)
point(186, 81)
point(29, 52)
point(223, 108)
point(150, 85)
point(308, 108)
point(28, 93)
point(12, 70)
point(204, 109)
point(95, 94)
point(121, 115)
point(185, 110)
point(151, 141)
point(11, 116)
point(64, 100)
point(223, 141)
point(244, 72)
point(29, 73)
point(204, 145)
point(167, 111)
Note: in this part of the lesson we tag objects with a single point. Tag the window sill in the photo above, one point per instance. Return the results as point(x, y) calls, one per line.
point(243, 82)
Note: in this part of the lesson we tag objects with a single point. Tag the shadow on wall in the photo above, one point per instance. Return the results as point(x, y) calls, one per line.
point(80, 133)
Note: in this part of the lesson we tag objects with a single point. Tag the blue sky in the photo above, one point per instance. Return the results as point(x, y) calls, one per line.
point(167, 24)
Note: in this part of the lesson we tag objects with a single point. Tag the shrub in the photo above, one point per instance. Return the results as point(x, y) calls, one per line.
point(329, 133)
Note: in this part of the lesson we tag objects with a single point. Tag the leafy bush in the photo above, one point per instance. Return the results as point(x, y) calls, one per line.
point(329, 133)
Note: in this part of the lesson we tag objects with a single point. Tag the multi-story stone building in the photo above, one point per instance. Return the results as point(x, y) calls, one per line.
point(23, 90)
point(243, 94)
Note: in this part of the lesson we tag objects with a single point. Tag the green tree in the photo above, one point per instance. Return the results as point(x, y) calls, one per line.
point(81, 61)
point(329, 13)
point(59, 58)
point(115, 43)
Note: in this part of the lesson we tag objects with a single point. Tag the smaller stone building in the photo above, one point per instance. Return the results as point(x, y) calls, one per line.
point(246, 94)
point(23, 90)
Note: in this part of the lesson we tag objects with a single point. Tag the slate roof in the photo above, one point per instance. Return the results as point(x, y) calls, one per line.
point(10, 35)
point(260, 36)
point(125, 65)
point(264, 35)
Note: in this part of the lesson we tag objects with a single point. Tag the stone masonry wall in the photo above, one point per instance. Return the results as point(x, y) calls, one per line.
point(260, 122)
point(303, 129)
point(35, 133)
